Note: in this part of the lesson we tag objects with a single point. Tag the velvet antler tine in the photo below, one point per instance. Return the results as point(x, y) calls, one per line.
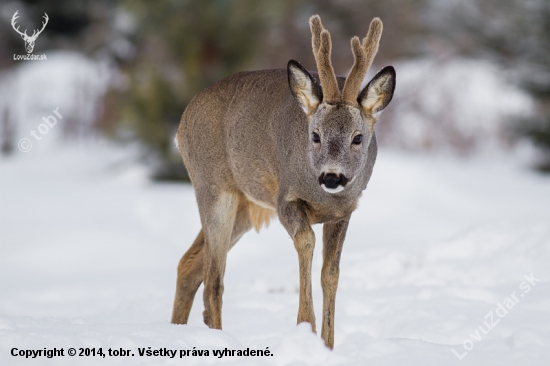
point(322, 48)
point(357, 72)
point(364, 55)
point(326, 71)
point(316, 28)
point(371, 41)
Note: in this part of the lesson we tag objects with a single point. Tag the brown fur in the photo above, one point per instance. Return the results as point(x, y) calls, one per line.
point(259, 216)
point(364, 55)
point(322, 48)
point(246, 142)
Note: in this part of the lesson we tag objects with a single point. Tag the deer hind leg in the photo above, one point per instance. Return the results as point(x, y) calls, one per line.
point(218, 222)
point(190, 276)
point(191, 269)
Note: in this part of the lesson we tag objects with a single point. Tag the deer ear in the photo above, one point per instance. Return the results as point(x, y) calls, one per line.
point(304, 87)
point(378, 92)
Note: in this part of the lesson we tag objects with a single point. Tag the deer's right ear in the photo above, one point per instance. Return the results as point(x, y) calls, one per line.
point(304, 87)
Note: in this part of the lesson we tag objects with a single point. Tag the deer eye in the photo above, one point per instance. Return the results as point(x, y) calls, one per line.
point(316, 137)
point(357, 139)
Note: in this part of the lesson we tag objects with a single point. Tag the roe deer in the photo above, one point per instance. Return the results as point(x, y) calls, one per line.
point(286, 143)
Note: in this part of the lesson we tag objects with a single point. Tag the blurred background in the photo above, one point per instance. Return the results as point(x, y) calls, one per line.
point(472, 76)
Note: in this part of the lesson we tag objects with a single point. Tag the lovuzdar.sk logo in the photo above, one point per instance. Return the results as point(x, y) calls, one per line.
point(29, 40)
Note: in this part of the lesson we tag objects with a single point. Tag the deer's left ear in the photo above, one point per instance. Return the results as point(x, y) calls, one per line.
point(378, 92)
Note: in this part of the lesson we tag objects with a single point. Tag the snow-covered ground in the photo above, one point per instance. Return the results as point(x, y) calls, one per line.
point(89, 249)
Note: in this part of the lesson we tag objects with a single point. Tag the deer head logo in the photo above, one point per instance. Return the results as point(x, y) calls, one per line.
point(29, 40)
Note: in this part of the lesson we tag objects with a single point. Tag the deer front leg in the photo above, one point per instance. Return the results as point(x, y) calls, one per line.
point(333, 240)
point(293, 217)
point(304, 242)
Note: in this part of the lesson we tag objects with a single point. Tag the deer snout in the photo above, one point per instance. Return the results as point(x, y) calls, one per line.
point(333, 183)
point(331, 180)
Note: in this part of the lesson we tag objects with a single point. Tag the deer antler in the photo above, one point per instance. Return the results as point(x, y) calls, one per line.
point(322, 46)
point(43, 26)
point(15, 16)
point(363, 55)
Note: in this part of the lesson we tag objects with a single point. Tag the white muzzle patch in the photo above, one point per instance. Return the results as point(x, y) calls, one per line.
point(332, 190)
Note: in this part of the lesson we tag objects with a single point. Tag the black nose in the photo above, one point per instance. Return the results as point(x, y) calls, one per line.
point(331, 180)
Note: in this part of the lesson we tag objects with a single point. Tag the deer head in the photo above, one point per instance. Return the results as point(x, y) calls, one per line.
point(29, 40)
point(341, 124)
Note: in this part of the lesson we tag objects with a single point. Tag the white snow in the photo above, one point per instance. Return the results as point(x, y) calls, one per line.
point(89, 249)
